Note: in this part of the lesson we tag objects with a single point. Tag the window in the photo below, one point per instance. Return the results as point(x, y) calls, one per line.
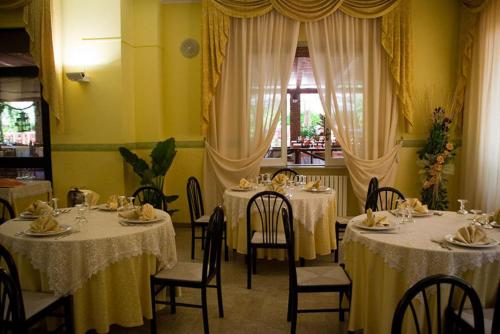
point(301, 137)
point(24, 121)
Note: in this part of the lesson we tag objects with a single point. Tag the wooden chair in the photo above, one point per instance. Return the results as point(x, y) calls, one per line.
point(267, 207)
point(150, 195)
point(431, 288)
point(287, 171)
point(384, 198)
point(341, 223)
point(194, 275)
point(6, 211)
point(19, 310)
point(198, 217)
point(312, 279)
point(491, 317)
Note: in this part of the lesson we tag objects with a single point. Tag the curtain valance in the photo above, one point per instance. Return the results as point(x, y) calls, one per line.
point(13, 4)
point(395, 36)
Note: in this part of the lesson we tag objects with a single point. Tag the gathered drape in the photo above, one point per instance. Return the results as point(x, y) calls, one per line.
point(249, 98)
point(481, 138)
point(39, 17)
point(356, 90)
point(395, 36)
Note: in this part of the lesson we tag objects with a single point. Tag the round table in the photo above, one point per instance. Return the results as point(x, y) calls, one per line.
point(383, 266)
point(314, 216)
point(105, 266)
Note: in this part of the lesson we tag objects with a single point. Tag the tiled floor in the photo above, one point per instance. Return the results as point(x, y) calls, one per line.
point(259, 310)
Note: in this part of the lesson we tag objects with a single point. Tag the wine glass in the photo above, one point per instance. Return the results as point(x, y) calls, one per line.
point(485, 220)
point(131, 201)
point(56, 211)
point(462, 210)
point(121, 202)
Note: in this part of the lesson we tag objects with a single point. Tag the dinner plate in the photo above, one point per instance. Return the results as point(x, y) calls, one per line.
point(241, 189)
point(450, 239)
point(63, 228)
point(374, 228)
point(495, 224)
point(318, 190)
point(28, 215)
point(140, 221)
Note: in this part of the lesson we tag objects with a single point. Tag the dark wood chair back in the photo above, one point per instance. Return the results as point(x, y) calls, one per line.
point(384, 198)
point(372, 186)
point(195, 200)
point(7, 262)
point(268, 205)
point(6, 211)
point(432, 288)
point(12, 312)
point(213, 245)
point(151, 195)
point(287, 171)
point(290, 249)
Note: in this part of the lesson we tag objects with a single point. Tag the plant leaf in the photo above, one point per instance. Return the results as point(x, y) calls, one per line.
point(140, 166)
point(162, 156)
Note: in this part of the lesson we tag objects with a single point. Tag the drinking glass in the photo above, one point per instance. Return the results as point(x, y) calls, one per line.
point(131, 202)
point(462, 210)
point(121, 202)
point(56, 211)
point(475, 220)
point(81, 219)
point(485, 220)
point(267, 178)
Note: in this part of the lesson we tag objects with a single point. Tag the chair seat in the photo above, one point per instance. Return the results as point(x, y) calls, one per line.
point(35, 302)
point(344, 219)
point(468, 317)
point(202, 220)
point(257, 238)
point(320, 276)
point(183, 271)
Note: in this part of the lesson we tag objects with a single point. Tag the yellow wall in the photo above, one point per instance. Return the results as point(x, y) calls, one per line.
point(11, 18)
point(143, 90)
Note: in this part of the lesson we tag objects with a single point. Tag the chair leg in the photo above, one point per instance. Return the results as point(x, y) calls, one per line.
point(289, 311)
point(219, 296)
point(336, 255)
point(203, 237)
point(294, 311)
point(68, 314)
point(172, 300)
point(192, 242)
point(249, 268)
point(254, 260)
point(302, 262)
point(341, 310)
point(153, 308)
point(204, 309)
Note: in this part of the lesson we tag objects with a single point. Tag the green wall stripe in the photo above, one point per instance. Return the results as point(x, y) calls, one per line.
point(114, 147)
point(408, 143)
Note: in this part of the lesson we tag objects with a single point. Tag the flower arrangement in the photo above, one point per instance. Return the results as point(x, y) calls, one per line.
point(436, 162)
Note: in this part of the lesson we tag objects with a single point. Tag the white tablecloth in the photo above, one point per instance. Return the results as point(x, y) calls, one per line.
point(29, 188)
point(411, 251)
point(69, 262)
point(314, 221)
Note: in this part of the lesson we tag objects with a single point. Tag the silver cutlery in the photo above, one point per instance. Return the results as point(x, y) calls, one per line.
point(65, 235)
point(442, 243)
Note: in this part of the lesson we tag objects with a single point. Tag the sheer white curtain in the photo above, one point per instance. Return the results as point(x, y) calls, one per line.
point(356, 90)
point(249, 99)
point(481, 139)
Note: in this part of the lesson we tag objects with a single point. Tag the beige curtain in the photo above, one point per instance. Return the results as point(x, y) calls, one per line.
point(481, 139)
point(250, 97)
point(395, 37)
point(356, 90)
point(41, 19)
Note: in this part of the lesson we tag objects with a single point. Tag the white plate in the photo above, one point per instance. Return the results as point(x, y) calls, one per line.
point(495, 224)
point(103, 207)
point(241, 189)
point(319, 190)
point(139, 221)
point(374, 228)
point(63, 228)
point(449, 238)
point(28, 215)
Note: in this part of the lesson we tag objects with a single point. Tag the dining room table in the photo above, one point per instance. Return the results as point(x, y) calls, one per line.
point(314, 216)
point(104, 262)
point(383, 264)
point(26, 191)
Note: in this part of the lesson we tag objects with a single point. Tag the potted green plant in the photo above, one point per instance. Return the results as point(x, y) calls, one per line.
point(162, 156)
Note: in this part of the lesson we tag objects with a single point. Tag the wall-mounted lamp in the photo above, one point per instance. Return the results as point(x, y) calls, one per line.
point(77, 76)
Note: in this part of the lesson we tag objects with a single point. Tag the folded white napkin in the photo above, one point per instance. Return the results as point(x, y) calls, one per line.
point(112, 202)
point(312, 185)
point(91, 196)
point(416, 205)
point(372, 220)
point(38, 207)
point(45, 224)
point(471, 235)
point(245, 184)
point(146, 212)
point(280, 179)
